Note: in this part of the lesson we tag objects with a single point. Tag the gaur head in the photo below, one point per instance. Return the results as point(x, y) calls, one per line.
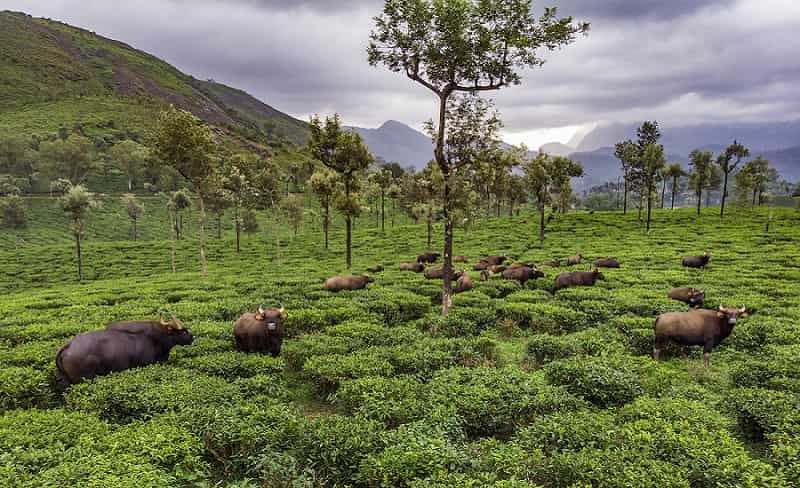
point(272, 317)
point(731, 314)
point(176, 331)
point(369, 279)
point(696, 297)
point(598, 275)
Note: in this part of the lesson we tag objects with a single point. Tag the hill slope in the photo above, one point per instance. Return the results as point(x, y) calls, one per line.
point(53, 74)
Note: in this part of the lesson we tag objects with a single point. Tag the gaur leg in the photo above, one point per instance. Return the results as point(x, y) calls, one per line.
point(707, 353)
point(658, 346)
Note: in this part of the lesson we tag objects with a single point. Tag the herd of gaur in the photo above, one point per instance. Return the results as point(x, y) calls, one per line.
point(125, 345)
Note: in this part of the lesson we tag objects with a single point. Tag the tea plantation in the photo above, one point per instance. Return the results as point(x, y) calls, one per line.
point(516, 388)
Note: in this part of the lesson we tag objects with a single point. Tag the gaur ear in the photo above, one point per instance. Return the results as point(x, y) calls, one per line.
point(721, 308)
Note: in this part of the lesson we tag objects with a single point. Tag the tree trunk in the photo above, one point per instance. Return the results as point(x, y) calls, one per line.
point(755, 195)
point(134, 230)
point(349, 229)
point(326, 220)
point(699, 200)
point(383, 210)
point(130, 184)
point(202, 206)
point(625, 197)
point(674, 191)
point(80, 257)
point(238, 230)
point(663, 193)
point(278, 234)
point(219, 226)
point(650, 206)
point(541, 225)
point(724, 196)
point(430, 227)
point(448, 224)
point(448, 249)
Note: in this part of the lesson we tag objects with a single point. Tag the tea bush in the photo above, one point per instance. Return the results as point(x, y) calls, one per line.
point(516, 388)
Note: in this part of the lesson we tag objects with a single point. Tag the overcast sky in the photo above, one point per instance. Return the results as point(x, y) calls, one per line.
point(682, 62)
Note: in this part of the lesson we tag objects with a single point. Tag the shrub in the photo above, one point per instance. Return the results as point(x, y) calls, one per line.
point(337, 445)
point(591, 342)
point(393, 401)
point(460, 322)
point(545, 317)
point(412, 451)
point(24, 388)
point(145, 392)
point(14, 212)
point(231, 365)
point(330, 370)
point(595, 380)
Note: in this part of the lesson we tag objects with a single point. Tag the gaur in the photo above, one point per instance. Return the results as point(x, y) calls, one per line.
point(485, 275)
point(494, 260)
point(578, 278)
point(481, 265)
point(464, 283)
point(124, 345)
point(692, 296)
point(707, 328)
point(260, 332)
point(521, 265)
point(555, 263)
point(428, 257)
point(499, 268)
point(438, 274)
point(460, 259)
point(573, 260)
point(340, 283)
point(522, 274)
point(606, 263)
point(697, 261)
point(376, 269)
point(415, 267)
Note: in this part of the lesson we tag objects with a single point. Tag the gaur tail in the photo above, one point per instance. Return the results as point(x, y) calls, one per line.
point(61, 375)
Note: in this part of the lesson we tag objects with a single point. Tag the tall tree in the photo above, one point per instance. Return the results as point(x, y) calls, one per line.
point(130, 157)
point(562, 170)
point(701, 163)
point(674, 172)
point(626, 152)
point(651, 163)
point(538, 179)
point(345, 153)
point(451, 46)
point(16, 156)
point(135, 210)
point(394, 193)
point(238, 182)
point(382, 178)
point(728, 161)
point(74, 158)
point(76, 203)
point(293, 206)
point(184, 143)
point(177, 203)
point(323, 184)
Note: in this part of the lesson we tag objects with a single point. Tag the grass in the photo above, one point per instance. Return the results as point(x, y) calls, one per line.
point(376, 390)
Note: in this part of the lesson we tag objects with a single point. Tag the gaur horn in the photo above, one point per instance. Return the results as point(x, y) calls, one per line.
point(261, 310)
point(176, 323)
point(282, 311)
point(721, 308)
point(743, 309)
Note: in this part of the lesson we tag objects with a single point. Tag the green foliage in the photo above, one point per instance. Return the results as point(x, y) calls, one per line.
point(13, 212)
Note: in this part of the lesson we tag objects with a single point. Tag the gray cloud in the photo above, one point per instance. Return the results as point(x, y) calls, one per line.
point(682, 62)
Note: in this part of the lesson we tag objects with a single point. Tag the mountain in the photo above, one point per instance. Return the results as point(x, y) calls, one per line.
point(759, 137)
point(786, 161)
point(54, 75)
point(601, 165)
point(557, 149)
point(396, 142)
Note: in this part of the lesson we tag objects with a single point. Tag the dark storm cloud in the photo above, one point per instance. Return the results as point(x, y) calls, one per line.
point(681, 61)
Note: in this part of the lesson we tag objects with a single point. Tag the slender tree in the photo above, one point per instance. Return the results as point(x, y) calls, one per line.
point(382, 178)
point(323, 184)
point(74, 159)
point(135, 210)
point(674, 172)
point(626, 152)
point(293, 206)
point(394, 193)
point(538, 179)
point(651, 163)
point(727, 162)
point(178, 202)
point(701, 163)
point(184, 143)
point(451, 46)
point(237, 180)
point(130, 157)
point(77, 203)
point(345, 153)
